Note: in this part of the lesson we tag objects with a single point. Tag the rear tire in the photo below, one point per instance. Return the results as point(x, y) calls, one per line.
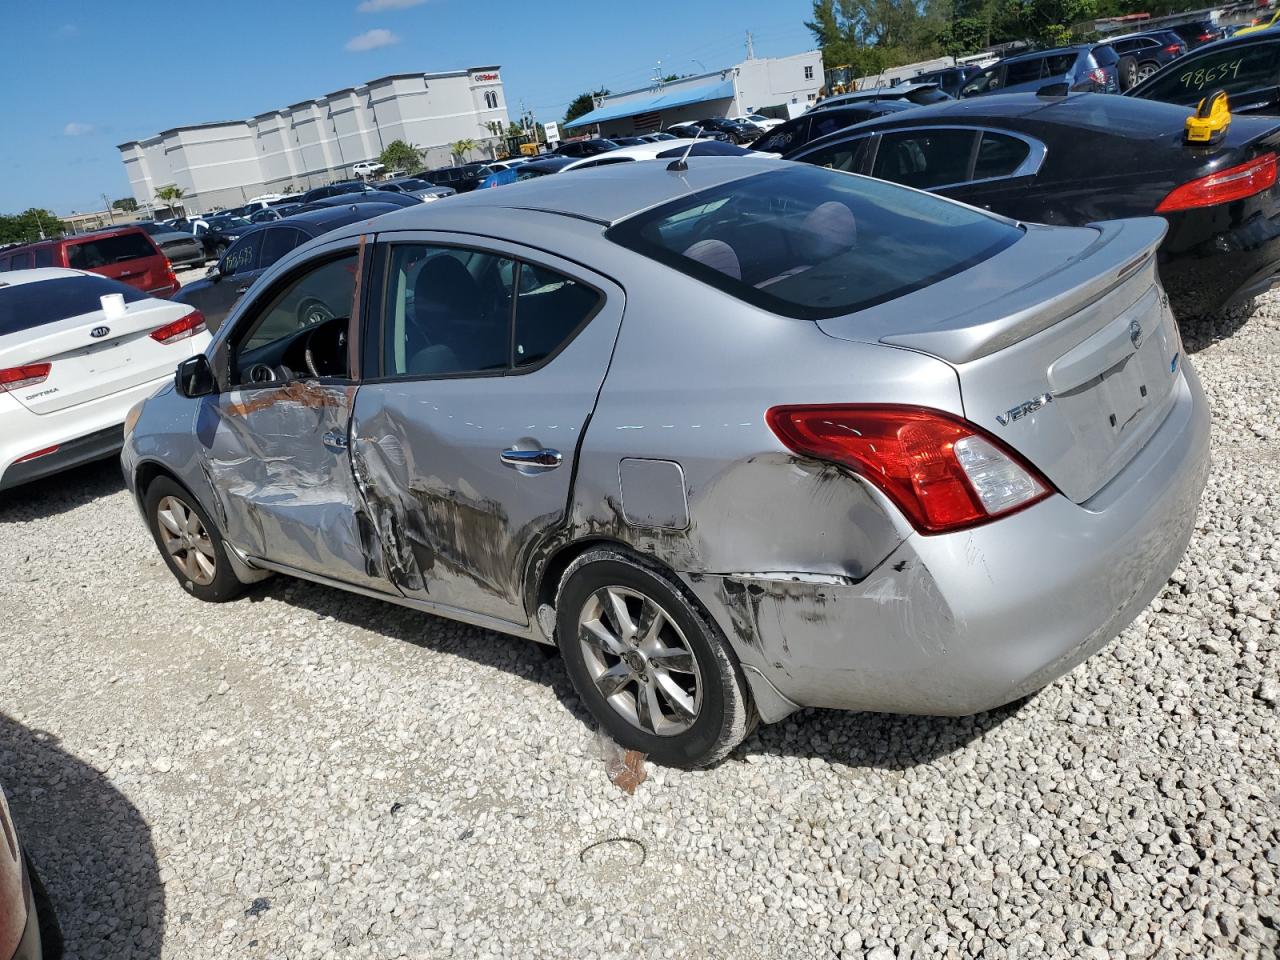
point(654, 671)
point(1127, 69)
point(190, 544)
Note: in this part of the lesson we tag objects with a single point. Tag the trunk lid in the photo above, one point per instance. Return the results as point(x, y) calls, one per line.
point(1074, 367)
point(84, 367)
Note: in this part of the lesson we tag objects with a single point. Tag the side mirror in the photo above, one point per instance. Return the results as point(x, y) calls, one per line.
point(214, 272)
point(1051, 90)
point(194, 377)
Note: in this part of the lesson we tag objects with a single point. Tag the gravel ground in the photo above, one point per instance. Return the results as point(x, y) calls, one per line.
point(306, 773)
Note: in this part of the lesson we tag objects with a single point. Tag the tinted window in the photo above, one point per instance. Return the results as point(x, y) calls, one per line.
point(277, 242)
point(1234, 69)
point(44, 257)
point(985, 82)
point(549, 310)
point(448, 312)
point(21, 261)
point(1024, 71)
point(1103, 56)
point(809, 243)
point(830, 123)
point(924, 158)
point(999, 156)
point(321, 294)
point(848, 155)
point(783, 138)
point(242, 257)
point(93, 254)
point(27, 305)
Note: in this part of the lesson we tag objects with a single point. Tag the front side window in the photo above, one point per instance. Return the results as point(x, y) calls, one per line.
point(810, 243)
point(276, 336)
point(1024, 71)
point(847, 156)
point(924, 158)
point(990, 79)
point(824, 123)
point(1234, 69)
point(277, 242)
point(783, 138)
point(242, 257)
point(449, 311)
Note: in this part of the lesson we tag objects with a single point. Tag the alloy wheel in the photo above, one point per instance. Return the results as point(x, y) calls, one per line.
point(1146, 70)
point(640, 661)
point(186, 540)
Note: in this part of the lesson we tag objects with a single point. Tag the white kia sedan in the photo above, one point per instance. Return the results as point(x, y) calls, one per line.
point(76, 352)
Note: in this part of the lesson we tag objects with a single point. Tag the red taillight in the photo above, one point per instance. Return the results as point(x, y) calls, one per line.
point(1173, 48)
point(37, 454)
point(1209, 36)
point(941, 471)
point(1098, 76)
point(15, 378)
point(188, 326)
point(1234, 183)
point(169, 275)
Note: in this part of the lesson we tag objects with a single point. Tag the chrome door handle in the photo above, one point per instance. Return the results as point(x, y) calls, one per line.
point(244, 289)
point(532, 461)
point(334, 441)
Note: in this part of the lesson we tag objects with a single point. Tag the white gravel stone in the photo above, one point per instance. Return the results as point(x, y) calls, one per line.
point(307, 773)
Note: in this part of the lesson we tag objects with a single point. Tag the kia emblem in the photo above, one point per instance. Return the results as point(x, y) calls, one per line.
point(99, 332)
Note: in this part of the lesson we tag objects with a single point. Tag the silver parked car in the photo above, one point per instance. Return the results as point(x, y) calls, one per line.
point(738, 435)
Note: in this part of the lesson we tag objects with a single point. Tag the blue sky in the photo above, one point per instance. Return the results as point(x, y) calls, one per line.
point(81, 77)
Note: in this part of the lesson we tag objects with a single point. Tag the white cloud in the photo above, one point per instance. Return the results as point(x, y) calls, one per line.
point(372, 40)
point(377, 6)
point(74, 129)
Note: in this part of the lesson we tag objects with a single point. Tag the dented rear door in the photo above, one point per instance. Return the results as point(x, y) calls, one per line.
point(489, 360)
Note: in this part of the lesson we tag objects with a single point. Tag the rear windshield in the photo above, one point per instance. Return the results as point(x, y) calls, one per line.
point(94, 254)
point(27, 305)
point(813, 243)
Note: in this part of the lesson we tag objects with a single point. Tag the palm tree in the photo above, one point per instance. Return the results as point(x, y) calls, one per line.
point(462, 147)
point(169, 196)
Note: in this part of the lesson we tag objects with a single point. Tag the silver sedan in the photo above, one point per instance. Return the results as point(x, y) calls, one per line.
point(738, 435)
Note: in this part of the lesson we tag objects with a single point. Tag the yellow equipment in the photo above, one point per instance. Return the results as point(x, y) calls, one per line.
point(1209, 123)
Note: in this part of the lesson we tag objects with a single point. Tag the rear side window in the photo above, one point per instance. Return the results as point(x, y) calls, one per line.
point(94, 254)
point(278, 242)
point(27, 305)
point(1025, 71)
point(924, 158)
point(1234, 69)
point(550, 308)
point(243, 255)
point(811, 243)
point(999, 156)
point(44, 256)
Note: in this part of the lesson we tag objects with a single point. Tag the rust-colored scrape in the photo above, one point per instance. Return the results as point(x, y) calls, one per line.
point(630, 773)
point(298, 391)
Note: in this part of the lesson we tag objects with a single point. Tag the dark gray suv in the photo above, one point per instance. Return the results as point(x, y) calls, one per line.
point(1088, 67)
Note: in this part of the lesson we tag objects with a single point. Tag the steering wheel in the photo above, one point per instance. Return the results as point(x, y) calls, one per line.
point(325, 348)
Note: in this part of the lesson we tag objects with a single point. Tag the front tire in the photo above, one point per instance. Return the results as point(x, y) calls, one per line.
point(654, 671)
point(191, 545)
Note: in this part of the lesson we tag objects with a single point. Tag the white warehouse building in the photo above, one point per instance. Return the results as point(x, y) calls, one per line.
point(308, 144)
point(786, 86)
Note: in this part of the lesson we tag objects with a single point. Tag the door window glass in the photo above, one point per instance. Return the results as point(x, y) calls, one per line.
point(550, 308)
point(824, 123)
point(21, 261)
point(990, 79)
point(242, 257)
point(847, 156)
point(999, 156)
point(448, 311)
point(1233, 69)
point(277, 242)
point(322, 294)
point(1024, 71)
point(924, 158)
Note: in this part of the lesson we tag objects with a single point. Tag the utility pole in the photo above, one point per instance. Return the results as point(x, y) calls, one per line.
point(111, 217)
point(751, 50)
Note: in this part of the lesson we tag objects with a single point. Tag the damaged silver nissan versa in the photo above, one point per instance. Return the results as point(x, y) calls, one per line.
point(738, 435)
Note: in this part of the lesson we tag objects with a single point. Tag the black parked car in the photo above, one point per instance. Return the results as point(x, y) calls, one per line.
point(387, 197)
point(463, 178)
point(807, 127)
point(684, 130)
point(1197, 33)
point(1086, 157)
point(229, 279)
point(737, 131)
point(334, 189)
point(1247, 67)
point(950, 80)
point(585, 148)
point(1142, 54)
point(221, 232)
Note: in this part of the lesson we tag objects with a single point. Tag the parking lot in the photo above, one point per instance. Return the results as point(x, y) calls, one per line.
point(308, 773)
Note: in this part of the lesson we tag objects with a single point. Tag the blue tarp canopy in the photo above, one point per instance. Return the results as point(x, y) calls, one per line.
point(661, 100)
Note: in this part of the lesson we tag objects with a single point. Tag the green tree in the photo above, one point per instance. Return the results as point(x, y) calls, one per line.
point(461, 148)
point(30, 225)
point(1045, 22)
point(583, 103)
point(400, 155)
point(127, 204)
point(169, 196)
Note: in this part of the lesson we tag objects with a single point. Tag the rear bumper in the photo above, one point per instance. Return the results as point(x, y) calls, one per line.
point(1218, 256)
point(961, 623)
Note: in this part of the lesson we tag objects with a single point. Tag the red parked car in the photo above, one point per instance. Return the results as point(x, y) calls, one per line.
point(127, 254)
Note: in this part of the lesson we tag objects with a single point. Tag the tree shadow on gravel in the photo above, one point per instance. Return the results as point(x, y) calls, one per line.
point(90, 846)
point(61, 492)
point(873, 740)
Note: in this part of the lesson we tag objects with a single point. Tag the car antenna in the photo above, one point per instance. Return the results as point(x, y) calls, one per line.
point(682, 164)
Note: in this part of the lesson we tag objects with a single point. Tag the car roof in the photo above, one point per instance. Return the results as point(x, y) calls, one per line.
point(1050, 51)
point(15, 278)
point(602, 195)
point(639, 151)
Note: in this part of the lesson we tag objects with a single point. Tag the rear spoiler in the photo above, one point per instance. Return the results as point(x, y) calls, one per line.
point(1121, 249)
